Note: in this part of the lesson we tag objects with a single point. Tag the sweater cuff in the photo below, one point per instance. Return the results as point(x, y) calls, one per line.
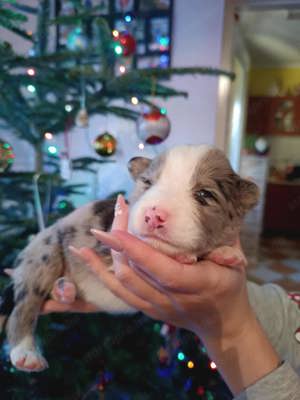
point(281, 384)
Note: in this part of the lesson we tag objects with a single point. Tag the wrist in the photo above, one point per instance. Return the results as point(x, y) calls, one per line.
point(245, 357)
point(228, 325)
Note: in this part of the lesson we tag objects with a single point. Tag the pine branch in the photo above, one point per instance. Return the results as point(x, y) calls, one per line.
point(10, 20)
point(78, 18)
point(42, 31)
point(24, 8)
point(163, 73)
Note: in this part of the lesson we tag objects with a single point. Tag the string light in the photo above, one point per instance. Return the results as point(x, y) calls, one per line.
point(190, 364)
point(62, 204)
point(163, 111)
point(128, 18)
point(31, 71)
point(52, 150)
point(48, 136)
point(68, 107)
point(115, 33)
point(180, 356)
point(164, 41)
point(122, 69)
point(213, 365)
point(141, 146)
point(31, 88)
point(118, 49)
point(134, 100)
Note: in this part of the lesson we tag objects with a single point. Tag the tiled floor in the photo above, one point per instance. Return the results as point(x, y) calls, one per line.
point(278, 262)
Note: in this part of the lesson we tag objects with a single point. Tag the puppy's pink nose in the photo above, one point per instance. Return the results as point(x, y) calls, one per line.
point(155, 217)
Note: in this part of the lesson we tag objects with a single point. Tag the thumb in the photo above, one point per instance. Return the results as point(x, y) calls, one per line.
point(120, 221)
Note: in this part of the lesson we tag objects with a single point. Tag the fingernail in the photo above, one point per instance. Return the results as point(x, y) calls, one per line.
point(108, 239)
point(78, 253)
point(74, 250)
point(118, 206)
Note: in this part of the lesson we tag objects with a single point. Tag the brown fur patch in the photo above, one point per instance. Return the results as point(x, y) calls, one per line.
point(232, 198)
point(150, 173)
point(105, 210)
point(137, 165)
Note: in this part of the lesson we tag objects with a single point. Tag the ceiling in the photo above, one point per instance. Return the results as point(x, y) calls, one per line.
point(272, 33)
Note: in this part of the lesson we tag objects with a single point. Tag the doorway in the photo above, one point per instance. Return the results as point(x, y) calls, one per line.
point(267, 35)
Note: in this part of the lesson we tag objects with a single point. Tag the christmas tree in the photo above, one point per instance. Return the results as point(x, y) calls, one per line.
point(45, 93)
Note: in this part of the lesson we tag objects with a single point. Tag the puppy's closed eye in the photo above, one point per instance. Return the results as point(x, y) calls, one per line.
point(203, 196)
point(146, 181)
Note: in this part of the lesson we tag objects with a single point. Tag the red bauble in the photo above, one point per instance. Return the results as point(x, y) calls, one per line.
point(153, 127)
point(128, 43)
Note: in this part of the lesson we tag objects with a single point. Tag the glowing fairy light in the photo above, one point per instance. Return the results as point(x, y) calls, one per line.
point(68, 107)
point(31, 88)
point(118, 49)
point(48, 136)
point(30, 71)
point(180, 356)
point(52, 150)
point(128, 18)
point(134, 100)
point(213, 365)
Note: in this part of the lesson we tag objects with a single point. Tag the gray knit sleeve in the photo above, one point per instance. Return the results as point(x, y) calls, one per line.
point(279, 316)
point(281, 384)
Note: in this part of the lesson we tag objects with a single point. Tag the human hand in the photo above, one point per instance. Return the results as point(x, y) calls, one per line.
point(207, 298)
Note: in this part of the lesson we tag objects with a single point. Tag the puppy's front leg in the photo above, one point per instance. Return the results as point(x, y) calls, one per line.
point(227, 255)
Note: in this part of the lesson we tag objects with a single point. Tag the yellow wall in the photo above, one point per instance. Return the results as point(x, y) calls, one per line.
point(263, 81)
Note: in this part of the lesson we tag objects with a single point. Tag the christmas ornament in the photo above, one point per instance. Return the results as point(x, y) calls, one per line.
point(7, 156)
point(128, 43)
point(153, 127)
point(77, 40)
point(297, 335)
point(105, 145)
point(261, 146)
point(82, 118)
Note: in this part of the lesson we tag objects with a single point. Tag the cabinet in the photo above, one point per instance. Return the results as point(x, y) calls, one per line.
point(274, 115)
point(282, 214)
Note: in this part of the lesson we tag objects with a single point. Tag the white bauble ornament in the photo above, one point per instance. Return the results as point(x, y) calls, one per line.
point(153, 127)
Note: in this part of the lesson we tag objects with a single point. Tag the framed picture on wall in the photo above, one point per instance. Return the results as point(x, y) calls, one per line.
point(149, 22)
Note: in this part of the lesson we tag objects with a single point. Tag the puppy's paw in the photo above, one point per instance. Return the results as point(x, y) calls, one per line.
point(28, 360)
point(228, 256)
point(64, 291)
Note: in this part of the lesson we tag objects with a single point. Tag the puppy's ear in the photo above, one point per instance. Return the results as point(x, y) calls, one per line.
point(248, 194)
point(137, 165)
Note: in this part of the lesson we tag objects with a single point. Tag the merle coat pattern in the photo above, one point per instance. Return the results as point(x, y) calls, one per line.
point(203, 198)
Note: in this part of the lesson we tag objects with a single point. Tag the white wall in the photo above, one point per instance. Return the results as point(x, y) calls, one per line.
point(197, 41)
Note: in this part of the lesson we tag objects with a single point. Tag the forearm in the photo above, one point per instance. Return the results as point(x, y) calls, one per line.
point(244, 359)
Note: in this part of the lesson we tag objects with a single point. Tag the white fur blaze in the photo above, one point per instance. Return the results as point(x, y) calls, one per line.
point(172, 194)
point(26, 358)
